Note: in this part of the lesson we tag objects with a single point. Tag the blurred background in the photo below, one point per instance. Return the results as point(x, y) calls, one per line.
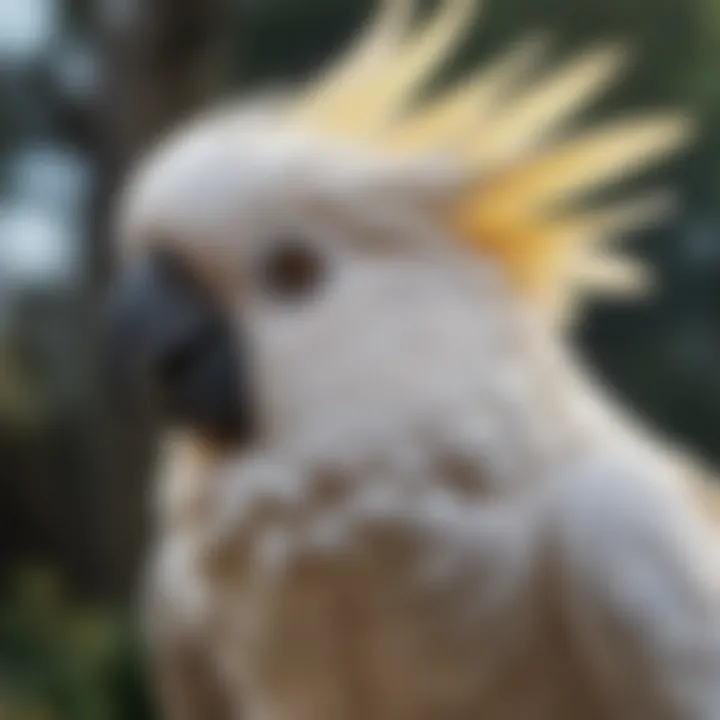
point(85, 85)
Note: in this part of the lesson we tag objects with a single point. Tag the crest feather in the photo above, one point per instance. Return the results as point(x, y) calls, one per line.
point(330, 94)
point(520, 174)
point(579, 242)
point(589, 162)
point(370, 100)
point(461, 110)
point(546, 108)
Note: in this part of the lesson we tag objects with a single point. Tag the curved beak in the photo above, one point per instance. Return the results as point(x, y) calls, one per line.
point(171, 343)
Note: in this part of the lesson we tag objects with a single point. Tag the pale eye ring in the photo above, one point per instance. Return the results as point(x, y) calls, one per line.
point(292, 269)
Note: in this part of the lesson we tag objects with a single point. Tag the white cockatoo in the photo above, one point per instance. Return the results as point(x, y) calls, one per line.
point(388, 490)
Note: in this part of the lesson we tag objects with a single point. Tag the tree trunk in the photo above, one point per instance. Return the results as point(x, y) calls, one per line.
point(162, 60)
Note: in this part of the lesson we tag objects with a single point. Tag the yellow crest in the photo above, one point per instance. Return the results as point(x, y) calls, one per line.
point(509, 136)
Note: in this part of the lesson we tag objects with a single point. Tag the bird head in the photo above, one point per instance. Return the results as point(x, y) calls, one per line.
point(319, 252)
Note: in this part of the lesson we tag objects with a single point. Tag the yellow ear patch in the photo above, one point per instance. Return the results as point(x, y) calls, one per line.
point(506, 135)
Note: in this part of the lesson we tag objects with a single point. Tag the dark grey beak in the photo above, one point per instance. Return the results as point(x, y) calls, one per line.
point(170, 342)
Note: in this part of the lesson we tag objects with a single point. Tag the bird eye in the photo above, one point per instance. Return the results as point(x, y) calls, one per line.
point(293, 269)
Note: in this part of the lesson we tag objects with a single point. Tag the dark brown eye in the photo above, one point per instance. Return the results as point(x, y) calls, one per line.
point(293, 269)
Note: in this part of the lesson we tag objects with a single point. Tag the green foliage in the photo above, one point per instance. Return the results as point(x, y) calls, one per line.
point(61, 660)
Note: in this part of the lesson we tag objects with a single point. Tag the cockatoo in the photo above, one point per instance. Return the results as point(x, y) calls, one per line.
point(388, 490)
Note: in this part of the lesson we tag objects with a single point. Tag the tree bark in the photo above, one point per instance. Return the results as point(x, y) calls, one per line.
point(161, 60)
